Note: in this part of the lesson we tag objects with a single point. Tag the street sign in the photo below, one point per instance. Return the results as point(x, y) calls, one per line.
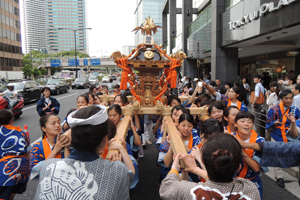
point(71, 62)
point(95, 61)
point(55, 63)
point(85, 62)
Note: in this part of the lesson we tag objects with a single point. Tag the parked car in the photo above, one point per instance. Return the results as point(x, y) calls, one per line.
point(30, 90)
point(93, 80)
point(105, 79)
point(57, 86)
point(80, 83)
point(113, 77)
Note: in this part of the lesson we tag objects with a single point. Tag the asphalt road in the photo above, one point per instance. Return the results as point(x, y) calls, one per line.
point(147, 188)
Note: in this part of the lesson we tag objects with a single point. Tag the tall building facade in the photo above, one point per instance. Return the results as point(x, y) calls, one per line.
point(234, 39)
point(11, 58)
point(144, 9)
point(42, 18)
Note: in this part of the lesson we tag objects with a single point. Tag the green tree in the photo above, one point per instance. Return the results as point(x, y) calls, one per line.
point(36, 72)
point(27, 70)
point(43, 71)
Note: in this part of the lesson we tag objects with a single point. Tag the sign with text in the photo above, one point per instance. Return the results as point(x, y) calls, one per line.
point(55, 63)
point(292, 53)
point(71, 62)
point(85, 62)
point(95, 61)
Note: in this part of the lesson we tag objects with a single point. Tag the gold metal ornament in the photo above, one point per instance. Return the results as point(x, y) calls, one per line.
point(160, 46)
point(147, 102)
point(149, 54)
point(148, 27)
point(165, 50)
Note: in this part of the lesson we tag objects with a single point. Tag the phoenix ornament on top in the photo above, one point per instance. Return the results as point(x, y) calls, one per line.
point(148, 27)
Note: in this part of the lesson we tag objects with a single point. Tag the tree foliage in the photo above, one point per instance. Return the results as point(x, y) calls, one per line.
point(27, 70)
point(36, 72)
point(43, 71)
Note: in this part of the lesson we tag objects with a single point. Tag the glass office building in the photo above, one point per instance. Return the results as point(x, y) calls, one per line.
point(150, 8)
point(68, 14)
point(11, 58)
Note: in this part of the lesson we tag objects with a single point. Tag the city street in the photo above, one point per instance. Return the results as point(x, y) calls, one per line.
point(149, 173)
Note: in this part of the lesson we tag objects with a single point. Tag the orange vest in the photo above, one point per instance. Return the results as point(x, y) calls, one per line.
point(239, 104)
point(284, 119)
point(47, 149)
point(105, 152)
point(249, 152)
point(117, 94)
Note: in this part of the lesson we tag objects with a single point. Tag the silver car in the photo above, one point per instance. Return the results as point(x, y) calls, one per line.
point(93, 80)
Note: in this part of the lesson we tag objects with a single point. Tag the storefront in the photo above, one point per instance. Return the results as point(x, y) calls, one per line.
point(267, 35)
point(275, 64)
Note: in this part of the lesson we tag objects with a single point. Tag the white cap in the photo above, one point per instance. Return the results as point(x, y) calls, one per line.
point(195, 79)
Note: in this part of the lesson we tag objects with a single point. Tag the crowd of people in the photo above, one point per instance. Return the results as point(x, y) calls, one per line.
point(225, 150)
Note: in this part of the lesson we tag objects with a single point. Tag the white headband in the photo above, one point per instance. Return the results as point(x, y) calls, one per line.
point(96, 119)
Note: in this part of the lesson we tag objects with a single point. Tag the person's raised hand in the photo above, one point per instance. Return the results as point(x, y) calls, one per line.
point(291, 118)
point(196, 152)
point(113, 144)
point(176, 160)
point(190, 163)
point(61, 142)
point(168, 138)
point(114, 157)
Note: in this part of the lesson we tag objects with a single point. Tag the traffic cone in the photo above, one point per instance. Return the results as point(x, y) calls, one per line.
point(26, 130)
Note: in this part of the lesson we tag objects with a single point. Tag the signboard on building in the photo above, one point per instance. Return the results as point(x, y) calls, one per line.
point(85, 61)
point(292, 53)
point(95, 61)
point(248, 19)
point(55, 63)
point(71, 62)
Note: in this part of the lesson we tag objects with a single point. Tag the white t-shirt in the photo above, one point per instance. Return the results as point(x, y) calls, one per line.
point(10, 94)
point(47, 101)
point(233, 104)
point(186, 142)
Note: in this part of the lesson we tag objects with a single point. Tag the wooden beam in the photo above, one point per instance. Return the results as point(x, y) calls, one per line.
point(152, 110)
point(177, 144)
point(184, 98)
point(122, 131)
point(111, 98)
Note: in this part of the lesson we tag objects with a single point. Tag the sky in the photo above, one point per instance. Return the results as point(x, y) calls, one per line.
point(111, 21)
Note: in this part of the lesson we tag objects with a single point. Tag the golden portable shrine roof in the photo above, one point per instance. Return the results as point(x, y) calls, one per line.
point(148, 56)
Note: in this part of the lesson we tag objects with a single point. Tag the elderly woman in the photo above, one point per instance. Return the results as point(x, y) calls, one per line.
point(85, 175)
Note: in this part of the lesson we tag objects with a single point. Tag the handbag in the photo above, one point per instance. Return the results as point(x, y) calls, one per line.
point(260, 100)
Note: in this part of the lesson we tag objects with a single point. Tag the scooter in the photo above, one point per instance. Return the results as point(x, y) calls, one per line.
point(17, 109)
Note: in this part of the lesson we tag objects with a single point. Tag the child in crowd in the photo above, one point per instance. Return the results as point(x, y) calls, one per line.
point(117, 90)
point(14, 157)
point(133, 138)
point(47, 105)
point(215, 110)
point(229, 115)
point(221, 156)
point(250, 166)
point(51, 145)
